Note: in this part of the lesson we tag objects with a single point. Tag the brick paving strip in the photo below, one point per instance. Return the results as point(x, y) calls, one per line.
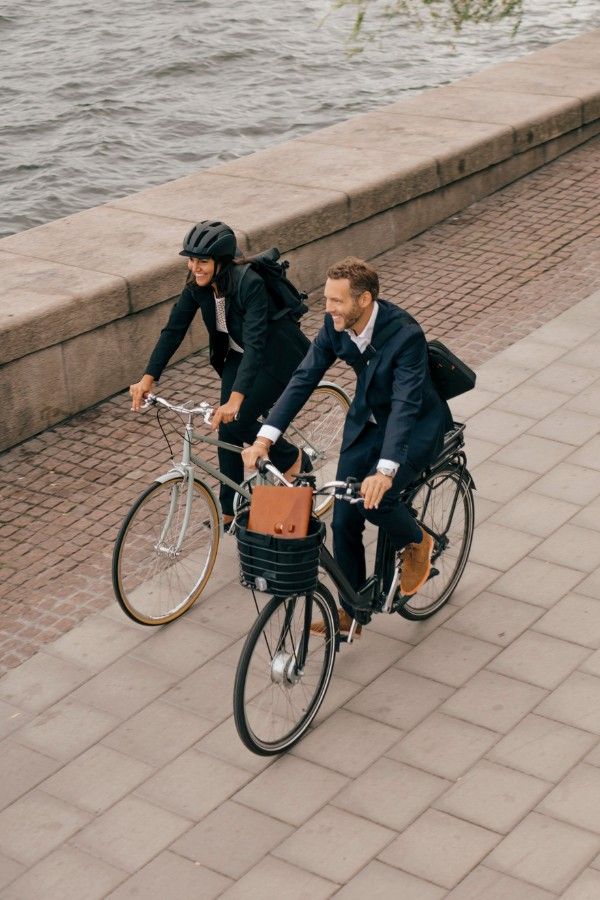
point(483, 278)
point(456, 758)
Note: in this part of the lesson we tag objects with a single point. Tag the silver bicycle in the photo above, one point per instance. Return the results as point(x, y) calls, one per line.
point(167, 545)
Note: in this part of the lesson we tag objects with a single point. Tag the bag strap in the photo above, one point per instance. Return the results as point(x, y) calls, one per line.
point(369, 352)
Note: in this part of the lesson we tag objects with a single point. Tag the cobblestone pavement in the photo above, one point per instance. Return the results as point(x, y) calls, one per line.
point(482, 279)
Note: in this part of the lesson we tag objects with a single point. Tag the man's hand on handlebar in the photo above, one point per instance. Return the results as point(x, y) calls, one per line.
point(258, 450)
point(374, 487)
point(228, 411)
point(139, 391)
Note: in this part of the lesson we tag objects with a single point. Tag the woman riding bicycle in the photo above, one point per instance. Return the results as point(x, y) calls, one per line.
point(254, 350)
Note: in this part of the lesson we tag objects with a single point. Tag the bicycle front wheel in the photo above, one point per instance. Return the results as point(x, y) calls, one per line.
point(318, 429)
point(445, 505)
point(160, 563)
point(284, 671)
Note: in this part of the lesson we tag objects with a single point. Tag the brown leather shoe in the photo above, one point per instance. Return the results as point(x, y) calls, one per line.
point(345, 620)
point(416, 565)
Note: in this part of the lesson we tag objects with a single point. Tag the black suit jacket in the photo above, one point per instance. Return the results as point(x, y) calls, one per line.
point(275, 346)
point(395, 387)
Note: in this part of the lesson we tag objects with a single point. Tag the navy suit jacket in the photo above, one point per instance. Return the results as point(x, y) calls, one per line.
point(395, 387)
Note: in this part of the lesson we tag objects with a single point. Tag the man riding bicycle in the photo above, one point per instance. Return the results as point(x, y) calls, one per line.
point(394, 428)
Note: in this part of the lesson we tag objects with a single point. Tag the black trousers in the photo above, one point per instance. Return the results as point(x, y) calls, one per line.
point(265, 391)
point(358, 461)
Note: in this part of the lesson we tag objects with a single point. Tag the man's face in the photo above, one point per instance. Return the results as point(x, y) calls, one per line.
point(345, 309)
point(203, 270)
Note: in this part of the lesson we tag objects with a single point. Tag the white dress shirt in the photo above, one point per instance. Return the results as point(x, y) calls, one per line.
point(222, 323)
point(362, 341)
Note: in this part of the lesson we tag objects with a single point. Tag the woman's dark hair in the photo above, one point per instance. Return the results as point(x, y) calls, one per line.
point(224, 280)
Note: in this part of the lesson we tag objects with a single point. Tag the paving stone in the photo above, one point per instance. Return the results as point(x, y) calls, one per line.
point(96, 643)
point(588, 455)
point(591, 664)
point(574, 618)
point(505, 371)
point(566, 481)
point(399, 699)
point(587, 354)
point(67, 873)
point(493, 701)
point(590, 587)
point(567, 425)
point(22, 769)
point(544, 852)
point(589, 516)
point(448, 656)
point(231, 839)
point(587, 401)
point(542, 747)
point(348, 742)
point(380, 882)
point(131, 833)
point(125, 687)
point(339, 692)
point(354, 840)
point(36, 824)
point(493, 618)
point(486, 883)
point(498, 426)
point(576, 799)
point(530, 400)
point(539, 659)
point(533, 453)
point(66, 730)
point(538, 581)
point(168, 875)
point(207, 691)
point(230, 611)
point(182, 646)
point(533, 353)
point(570, 379)
point(97, 779)
point(459, 846)
point(500, 547)
point(575, 702)
point(411, 632)
point(501, 483)
point(493, 796)
point(466, 405)
point(223, 742)
point(291, 790)
point(474, 581)
point(193, 784)
point(284, 880)
point(40, 682)
point(9, 870)
point(444, 746)
point(586, 887)
point(11, 719)
point(158, 733)
point(479, 450)
point(369, 657)
point(539, 514)
point(390, 793)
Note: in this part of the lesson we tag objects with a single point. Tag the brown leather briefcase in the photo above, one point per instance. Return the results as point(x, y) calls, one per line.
point(280, 511)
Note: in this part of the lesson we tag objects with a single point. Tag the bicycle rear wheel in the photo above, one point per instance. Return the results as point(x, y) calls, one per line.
point(445, 505)
point(158, 573)
point(274, 700)
point(318, 429)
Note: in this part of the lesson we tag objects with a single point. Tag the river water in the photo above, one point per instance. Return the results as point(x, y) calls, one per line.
point(101, 98)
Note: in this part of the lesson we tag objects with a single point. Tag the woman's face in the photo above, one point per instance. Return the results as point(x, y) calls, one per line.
point(203, 270)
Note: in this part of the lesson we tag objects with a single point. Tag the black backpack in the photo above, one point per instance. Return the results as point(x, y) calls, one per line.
point(450, 375)
point(286, 296)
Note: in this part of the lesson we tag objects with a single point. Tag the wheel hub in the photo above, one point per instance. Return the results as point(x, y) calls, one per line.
point(169, 552)
point(283, 669)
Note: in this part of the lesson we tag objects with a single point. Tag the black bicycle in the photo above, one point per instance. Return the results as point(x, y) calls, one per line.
point(286, 664)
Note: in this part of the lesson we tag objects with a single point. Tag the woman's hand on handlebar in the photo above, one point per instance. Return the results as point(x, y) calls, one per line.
point(139, 391)
point(228, 411)
point(258, 450)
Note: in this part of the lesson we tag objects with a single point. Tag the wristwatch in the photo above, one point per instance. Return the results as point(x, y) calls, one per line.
point(386, 470)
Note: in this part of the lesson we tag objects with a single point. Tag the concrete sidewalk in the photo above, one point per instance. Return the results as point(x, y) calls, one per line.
point(455, 758)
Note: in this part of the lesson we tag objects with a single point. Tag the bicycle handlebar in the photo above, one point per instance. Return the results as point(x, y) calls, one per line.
point(204, 409)
point(342, 490)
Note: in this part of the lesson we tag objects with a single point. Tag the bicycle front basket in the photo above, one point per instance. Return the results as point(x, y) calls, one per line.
point(280, 566)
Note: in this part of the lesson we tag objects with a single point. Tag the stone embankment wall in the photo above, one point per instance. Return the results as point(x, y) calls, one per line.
point(83, 298)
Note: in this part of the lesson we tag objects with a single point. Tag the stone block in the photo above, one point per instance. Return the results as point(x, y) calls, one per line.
point(500, 483)
point(544, 852)
point(497, 426)
point(35, 395)
point(183, 647)
point(571, 545)
point(399, 699)
point(448, 656)
point(168, 875)
point(125, 687)
point(538, 581)
point(474, 581)
point(231, 839)
point(66, 729)
point(493, 796)
point(9, 870)
point(22, 769)
point(493, 618)
point(459, 847)
point(45, 303)
point(567, 425)
point(586, 887)
point(11, 719)
point(284, 880)
point(575, 618)
point(484, 882)
point(539, 659)
point(96, 643)
point(370, 656)
point(223, 743)
point(67, 873)
point(380, 881)
point(576, 799)
point(588, 455)
point(531, 400)
point(141, 248)
point(36, 824)
point(371, 179)
point(542, 747)
point(493, 701)
point(41, 681)
point(576, 702)
point(535, 454)
point(536, 513)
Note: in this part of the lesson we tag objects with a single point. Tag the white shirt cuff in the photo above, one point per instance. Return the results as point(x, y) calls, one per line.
point(386, 464)
point(268, 431)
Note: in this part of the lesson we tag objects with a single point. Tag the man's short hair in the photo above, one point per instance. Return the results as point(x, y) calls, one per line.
point(361, 275)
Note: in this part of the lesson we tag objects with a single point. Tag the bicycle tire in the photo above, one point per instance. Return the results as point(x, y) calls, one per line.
point(436, 496)
point(270, 720)
point(154, 583)
point(318, 429)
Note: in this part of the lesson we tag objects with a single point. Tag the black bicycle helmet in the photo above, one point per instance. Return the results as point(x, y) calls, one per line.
point(210, 240)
